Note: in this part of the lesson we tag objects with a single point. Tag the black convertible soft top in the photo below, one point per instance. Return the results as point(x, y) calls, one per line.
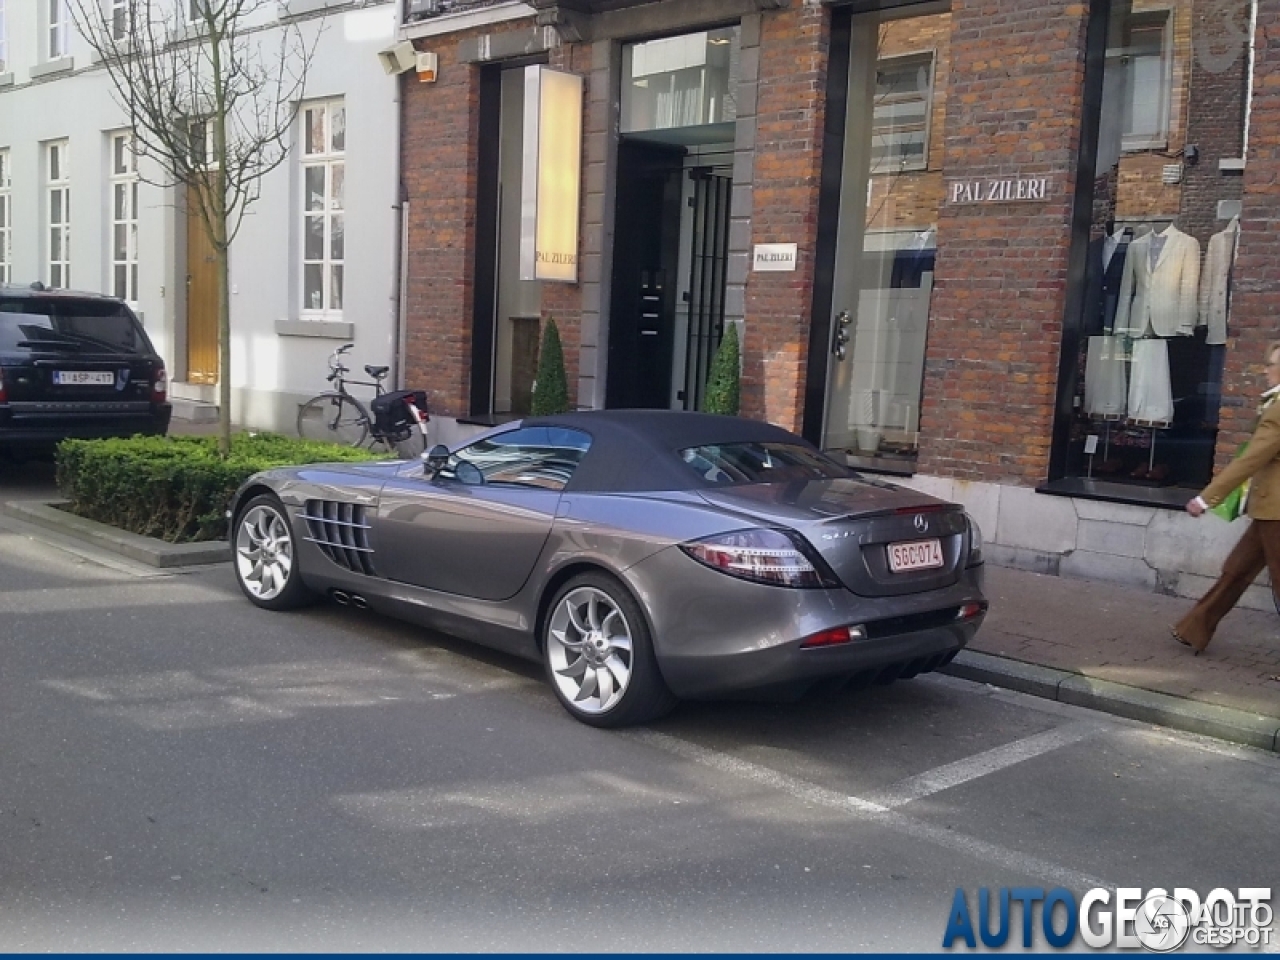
point(639, 450)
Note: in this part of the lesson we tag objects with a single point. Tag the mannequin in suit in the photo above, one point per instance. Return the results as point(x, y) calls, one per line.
point(1107, 256)
point(1161, 284)
point(1159, 298)
point(1215, 291)
point(1105, 376)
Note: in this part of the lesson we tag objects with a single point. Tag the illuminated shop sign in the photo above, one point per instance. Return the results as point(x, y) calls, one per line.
point(552, 175)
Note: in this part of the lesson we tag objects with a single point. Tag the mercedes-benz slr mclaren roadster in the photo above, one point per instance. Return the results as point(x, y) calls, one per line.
point(642, 556)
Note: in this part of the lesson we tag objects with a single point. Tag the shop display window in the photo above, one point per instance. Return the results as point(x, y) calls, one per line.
point(891, 189)
point(1146, 386)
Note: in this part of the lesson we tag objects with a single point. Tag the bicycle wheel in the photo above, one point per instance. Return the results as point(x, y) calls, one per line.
point(334, 418)
point(411, 448)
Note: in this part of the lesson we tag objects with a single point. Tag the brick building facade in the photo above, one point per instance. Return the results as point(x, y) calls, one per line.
point(1008, 90)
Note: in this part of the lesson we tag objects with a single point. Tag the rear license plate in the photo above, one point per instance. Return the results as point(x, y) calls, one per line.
point(916, 555)
point(84, 378)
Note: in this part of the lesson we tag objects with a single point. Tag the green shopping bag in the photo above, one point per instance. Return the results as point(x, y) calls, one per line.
point(1233, 506)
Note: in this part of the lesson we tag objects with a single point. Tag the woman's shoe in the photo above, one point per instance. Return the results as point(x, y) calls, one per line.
point(1173, 632)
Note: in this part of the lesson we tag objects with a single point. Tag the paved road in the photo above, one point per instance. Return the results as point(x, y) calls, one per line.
point(182, 771)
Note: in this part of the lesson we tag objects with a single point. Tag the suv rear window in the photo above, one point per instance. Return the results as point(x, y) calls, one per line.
point(730, 463)
point(69, 326)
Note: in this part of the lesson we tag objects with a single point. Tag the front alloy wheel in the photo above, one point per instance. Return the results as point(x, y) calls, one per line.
point(599, 657)
point(264, 556)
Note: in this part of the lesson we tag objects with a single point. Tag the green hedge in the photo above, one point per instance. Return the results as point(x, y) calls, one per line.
point(176, 488)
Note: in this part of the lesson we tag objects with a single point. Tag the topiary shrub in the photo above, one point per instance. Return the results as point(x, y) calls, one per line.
point(551, 388)
point(176, 488)
point(724, 381)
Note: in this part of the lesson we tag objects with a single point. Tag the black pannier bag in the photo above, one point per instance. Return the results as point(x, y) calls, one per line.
point(391, 416)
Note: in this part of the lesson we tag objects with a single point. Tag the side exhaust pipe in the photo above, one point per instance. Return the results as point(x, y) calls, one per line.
point(341, 596)
point(359, 602)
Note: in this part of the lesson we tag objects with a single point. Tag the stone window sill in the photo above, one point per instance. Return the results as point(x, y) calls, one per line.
point(320, 329)
point(6, 79)
point(61, 65)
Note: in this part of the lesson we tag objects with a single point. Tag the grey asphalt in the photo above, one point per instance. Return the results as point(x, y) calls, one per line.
point(185, 772)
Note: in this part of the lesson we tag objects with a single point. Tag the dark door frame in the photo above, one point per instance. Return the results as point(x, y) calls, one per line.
point(828, 226)
point(487, 243)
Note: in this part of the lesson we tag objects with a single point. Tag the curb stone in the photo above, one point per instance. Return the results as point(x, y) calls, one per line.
point(148, 550)
point(1134, 703)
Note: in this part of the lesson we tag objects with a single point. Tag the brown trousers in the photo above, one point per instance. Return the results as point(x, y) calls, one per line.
point(1259, 547)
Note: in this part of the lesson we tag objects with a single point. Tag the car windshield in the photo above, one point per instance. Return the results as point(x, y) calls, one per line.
point(69, 326)
point(760, 462)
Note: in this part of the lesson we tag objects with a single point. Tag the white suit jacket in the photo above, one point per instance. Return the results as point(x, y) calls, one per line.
point(1163, 300)
point(1213, 288)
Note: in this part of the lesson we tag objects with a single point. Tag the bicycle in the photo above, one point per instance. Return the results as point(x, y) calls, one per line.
point(398, 420)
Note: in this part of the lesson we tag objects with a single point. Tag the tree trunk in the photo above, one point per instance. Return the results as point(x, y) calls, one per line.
point(224, 349)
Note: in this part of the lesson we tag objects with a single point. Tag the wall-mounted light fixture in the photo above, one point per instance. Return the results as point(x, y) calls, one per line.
point(397, 58)
point(551, 184)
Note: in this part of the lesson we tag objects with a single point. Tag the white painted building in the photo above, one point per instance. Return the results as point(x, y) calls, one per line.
point(73, 212)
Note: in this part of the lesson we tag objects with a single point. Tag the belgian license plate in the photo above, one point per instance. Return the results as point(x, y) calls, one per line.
point(916, 555)
point(84, 378)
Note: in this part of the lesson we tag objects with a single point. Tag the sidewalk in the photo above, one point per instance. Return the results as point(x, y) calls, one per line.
point(1113, 635)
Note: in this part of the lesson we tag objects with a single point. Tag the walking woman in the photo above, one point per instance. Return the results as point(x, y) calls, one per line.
point(1260, 545)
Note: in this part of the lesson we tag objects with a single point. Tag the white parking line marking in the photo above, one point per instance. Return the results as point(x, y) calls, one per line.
point(981, 764)
point(1015, 862)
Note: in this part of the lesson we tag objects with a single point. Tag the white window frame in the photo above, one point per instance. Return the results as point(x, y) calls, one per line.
point(894, 162)
point(58, 22)
point(122, 188)
point(331, 158)
point(119, 13)
point(6, 219)
point(4, 37)
point(57, 174)
point(1159, 139)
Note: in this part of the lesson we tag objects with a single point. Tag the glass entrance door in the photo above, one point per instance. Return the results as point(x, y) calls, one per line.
point(891, 191)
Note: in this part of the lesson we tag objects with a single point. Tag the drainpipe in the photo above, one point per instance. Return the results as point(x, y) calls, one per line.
point(399, 289)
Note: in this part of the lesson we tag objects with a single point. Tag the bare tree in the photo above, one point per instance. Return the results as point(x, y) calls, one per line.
point(212, 92)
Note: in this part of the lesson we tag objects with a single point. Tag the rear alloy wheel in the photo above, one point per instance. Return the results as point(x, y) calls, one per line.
point(599, 656)
point(265, 559)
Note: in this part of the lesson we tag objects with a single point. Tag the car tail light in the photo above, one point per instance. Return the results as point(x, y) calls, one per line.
point(160, 386)
point(975, 543)
point(762, 556)
point(834, 636)
point(971, 610)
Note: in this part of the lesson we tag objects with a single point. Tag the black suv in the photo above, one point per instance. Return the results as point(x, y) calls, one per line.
point(74, 365)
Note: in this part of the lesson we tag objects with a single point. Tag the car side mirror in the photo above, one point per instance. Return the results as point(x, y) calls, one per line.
point(436, 458)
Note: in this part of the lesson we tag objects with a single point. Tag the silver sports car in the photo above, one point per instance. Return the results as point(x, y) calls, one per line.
point(643, 556)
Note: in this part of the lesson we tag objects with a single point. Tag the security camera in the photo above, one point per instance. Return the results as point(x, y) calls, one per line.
point(398, 58)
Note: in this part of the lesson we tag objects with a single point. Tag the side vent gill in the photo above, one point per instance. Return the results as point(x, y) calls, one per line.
point(341, 530)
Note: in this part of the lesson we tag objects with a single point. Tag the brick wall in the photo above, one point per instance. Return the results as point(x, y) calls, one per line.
point(440, 144)
point(788, 159)
point(439, 139)
point(1257, 277)
point(996, 317)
